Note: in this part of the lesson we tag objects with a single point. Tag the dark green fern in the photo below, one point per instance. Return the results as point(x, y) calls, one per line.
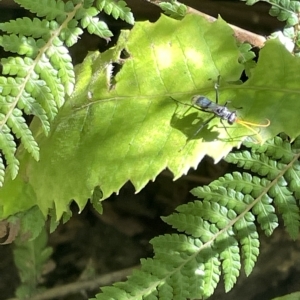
point(30, 258)
point(287, 11)
point(284, 10)
point(174, 9)
point(220, 230)
point(40, 75)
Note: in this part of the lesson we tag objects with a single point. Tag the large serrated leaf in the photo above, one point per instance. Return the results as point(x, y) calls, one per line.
point(113, 130)
point(106, 135)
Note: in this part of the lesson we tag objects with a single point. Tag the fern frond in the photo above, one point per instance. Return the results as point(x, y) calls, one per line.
point(279, 149)
point(50, 75)
point(16, 66)
point(286, 10)
point(287, 206)
point(9, 148)
point(293, 179)
point(93, 25)
point(248, 236)
point(174, 9)
point(71, 34)
point(2, 169)
point(21, 130)
point(265, 213)
point(41, 74)
point(219, 233)
point(228, 247)
point(241, 182)
point(41, 93)
point(211, 265)
point(30, 258)
point(31, 107)
point(51, 9)
point(118, 9)
point(27, 27)
point(21, 45)
point(281, 157)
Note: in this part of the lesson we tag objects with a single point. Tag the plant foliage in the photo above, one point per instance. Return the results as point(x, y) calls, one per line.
point(220, 230)
point(288, 11)
point(133, 113)
point(118, 9)
point(30, 258)
point(174, 9)
point(110, 122)
point(292, 296)
point(40, 76)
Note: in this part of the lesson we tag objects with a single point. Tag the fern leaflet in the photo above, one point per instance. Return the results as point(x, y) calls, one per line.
point(118, 9)
point(41, 74)
point(288, 11)
point(219, 230)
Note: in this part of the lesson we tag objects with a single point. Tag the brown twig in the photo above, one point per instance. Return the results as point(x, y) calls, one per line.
point(78, 286)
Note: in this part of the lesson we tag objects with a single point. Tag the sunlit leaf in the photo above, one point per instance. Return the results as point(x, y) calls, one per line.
point(127, 127)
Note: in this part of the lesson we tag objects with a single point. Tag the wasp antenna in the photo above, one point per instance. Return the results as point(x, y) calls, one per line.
point(249, 124)
point(259, 138)
point(253, 124)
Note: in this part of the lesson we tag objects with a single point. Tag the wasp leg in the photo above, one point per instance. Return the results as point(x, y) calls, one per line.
point(178, 102)
point(225, 127)
point(217, 89)
point(201, 127)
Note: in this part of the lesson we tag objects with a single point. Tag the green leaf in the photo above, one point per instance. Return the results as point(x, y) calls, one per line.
point(134, 121)
point(217, 229)
point(230, 259)
point(293, 296)
point(50, 9)
point(21, 130)
point(110, 124)
point(118, 9)
point(287, 206)
point(212, 275)
point(29, 27)
point(94, 26)
point(19, 44)
point(8, 147)
point(50, 75)
point(32, 223)
point(62, 62)
point(88, 3)
point(174, 9)
point(247, 233)
point(266, 216)
point(30, 257)
point(16, 66)
point(192, 224)
point(71, 35)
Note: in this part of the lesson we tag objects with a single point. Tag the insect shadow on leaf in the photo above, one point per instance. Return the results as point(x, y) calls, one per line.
point(204, 104)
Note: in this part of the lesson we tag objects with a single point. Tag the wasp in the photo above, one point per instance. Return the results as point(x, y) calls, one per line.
point(204, 104)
